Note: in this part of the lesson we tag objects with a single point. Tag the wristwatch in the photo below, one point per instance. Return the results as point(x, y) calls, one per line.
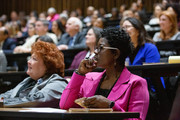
point(112, 104)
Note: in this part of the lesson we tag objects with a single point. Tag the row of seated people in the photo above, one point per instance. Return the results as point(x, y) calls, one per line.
point(168, 24)
point(130, 26)
point(45, 87)
point(41, 28)
point(72, 37)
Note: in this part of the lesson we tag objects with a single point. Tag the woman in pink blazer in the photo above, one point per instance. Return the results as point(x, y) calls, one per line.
point(115, 87)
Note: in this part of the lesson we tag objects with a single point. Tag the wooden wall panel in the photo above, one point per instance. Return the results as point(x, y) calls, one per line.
point(7, 6)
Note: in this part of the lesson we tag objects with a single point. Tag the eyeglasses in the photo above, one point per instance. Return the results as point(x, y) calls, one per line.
point(126, 27)
point(99, 48)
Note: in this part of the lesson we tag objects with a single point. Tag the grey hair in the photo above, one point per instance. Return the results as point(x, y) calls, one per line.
point(45, 22)
point(78, 22)
point(51, 10)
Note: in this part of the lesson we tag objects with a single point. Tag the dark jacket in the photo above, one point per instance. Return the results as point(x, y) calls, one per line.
point(79, 42)
point(9, 45)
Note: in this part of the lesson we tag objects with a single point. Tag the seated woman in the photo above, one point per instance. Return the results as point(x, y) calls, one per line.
point(45, 84)
point(26, 47)
point(168, 27)
point(58, 29)
point(145, 51)
point(168, 31)
point(92, 39)
point(115, 87)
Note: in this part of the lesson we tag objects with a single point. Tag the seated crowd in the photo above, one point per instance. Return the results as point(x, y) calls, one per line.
point(113, 46)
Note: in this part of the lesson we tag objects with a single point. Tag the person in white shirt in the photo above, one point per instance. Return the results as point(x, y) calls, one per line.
point(41, 28)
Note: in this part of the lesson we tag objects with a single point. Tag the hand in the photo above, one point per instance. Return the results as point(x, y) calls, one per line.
point(62, 47)
point(97, 101)
point(17, 49)
point(20, 49)
point(87, 65)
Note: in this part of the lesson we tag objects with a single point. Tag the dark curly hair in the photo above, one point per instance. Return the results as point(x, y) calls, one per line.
point(52, 57)
point(118, 38)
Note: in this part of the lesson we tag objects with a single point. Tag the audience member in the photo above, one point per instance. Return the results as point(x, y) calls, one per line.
point(122, 8)
point(92, 39)
point(44, 38)
point(142, 10)
point(33, 14)
point(94, 17)
point(175, 8)
point(116, 87)
point(14, 16)
point(6, 43)
point(140, 16)
point(79, 12)
point(100, 23)
point(58, 29)
point(26, 47)
point(74, 38)
point(42, 16)
point(164, 3)
point(52, 15)
point(134, 7)
point(63, 19)
point(41, 27)
point(73, 14)
point(126, 14)
point(144, 50)
point(45, 84)
point(89, 13)
point(140, 4)
point(1, 22)
point(3, 62)
point(168, 27)
point(102, 12)
point(4, 18)
point(158, 8)
point(115, 14)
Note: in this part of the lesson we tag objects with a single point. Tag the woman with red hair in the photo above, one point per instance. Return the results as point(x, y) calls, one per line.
point(45, 84)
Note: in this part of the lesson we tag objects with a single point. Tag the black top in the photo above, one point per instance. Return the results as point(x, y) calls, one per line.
point(103, 92)
point(133, 55)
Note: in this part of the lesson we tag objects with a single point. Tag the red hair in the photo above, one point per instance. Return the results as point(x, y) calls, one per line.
point(52, 57)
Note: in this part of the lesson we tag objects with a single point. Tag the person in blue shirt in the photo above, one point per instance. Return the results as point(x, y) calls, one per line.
point(144, 49)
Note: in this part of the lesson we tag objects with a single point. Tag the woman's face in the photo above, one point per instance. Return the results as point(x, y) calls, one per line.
point(36, 67)
point(103, 54)
point(133, 32)
point(90, 39)
point(54, 27)
point(98, 23)
point(157, 11)
point(165, 23)
point(31, 30)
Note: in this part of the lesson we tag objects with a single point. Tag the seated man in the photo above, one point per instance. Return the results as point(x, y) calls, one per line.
point(74, 38)
point(6, 44)
point(45, 84)
point(41, 28)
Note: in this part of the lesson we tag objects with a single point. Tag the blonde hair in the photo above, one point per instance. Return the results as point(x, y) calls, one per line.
point(174, 28)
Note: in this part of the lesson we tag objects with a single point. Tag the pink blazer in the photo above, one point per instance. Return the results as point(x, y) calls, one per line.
point(130, 92)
